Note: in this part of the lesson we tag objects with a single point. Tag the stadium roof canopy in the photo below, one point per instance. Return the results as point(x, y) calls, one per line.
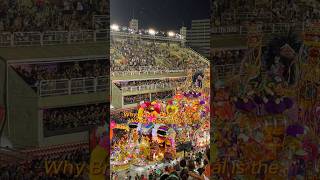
point(49, 53)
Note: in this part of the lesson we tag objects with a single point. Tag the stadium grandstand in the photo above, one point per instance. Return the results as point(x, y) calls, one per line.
point(146, 65)
point(53, 84)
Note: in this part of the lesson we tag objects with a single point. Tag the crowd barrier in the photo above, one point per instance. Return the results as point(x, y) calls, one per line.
point(72, 86)
point(14, 39)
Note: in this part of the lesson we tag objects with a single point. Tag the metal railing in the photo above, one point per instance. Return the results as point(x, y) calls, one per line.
point(101, 84)
point(145, 36)
point(264, 28)
point(147, 72)
point(72, 86)
point(14, 39)
point(150, 87)
point(83, 85)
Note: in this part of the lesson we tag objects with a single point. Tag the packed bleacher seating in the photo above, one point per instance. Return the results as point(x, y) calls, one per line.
point(49, 15)
point(229, 56)
point(130, 55)
point(161, 95)
point(34, 73)
point(74, 117)
point(167, 81)
point(35, 168)
point(133, 99)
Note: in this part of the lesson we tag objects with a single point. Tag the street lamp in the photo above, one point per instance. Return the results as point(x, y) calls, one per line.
point(115, 27)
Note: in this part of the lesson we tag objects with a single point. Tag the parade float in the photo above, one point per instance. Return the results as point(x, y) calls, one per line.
point(151, 135)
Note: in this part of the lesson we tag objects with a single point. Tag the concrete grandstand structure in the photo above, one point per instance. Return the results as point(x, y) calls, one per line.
point(150, 67)
point(26, 102)
point(53, 65)
point(159, 67)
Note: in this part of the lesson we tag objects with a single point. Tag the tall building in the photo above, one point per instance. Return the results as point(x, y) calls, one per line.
point(198, 37)
point(183, 33)
point(134, 25)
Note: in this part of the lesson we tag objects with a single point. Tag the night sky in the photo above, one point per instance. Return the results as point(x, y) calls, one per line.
point(159, 14)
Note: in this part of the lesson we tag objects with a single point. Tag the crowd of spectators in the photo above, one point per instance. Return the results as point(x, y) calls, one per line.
point(167, 81)
point(233, 56)
point(35, 169)
point(73, 117)
point(243, 11)
point(194, 166)
point(133, 99)
point(34, 73)
point(161, 95)
point(132, 55)
point(48, 15)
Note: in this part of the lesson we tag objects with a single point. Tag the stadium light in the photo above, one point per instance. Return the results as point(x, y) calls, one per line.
point(115, 27)
point(152, 32)
point(171, 34)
